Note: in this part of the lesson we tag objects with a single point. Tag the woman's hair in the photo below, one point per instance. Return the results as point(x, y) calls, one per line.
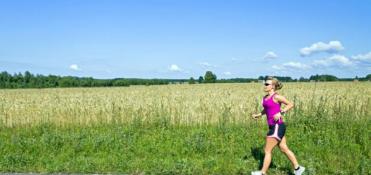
point(275, 82)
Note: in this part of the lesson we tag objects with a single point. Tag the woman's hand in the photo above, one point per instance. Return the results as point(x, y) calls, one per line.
point(256, 116)
point(277, 116)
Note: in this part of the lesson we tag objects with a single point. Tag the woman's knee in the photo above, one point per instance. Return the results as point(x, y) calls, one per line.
point(284, 149)
point(267, 151)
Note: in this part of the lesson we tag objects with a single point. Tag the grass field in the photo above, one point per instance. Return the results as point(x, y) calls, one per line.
point(182, 129)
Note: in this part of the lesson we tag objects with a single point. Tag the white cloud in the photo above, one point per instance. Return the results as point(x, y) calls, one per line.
point(278, 67)
point(363, 57)
point(270, 55)
point(207, 65)
point(291, 65)
point(335, 60)
point(296, 65)
point(227, 73)
point(332, 46)
point(175, 68)
point(74, 67)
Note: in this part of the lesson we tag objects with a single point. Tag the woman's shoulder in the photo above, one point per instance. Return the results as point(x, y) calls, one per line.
point(278, 97)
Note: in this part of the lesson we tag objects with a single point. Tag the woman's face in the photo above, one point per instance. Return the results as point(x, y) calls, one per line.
point(268, 85)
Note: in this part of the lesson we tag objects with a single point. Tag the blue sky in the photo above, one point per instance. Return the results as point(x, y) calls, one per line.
point(185, 38)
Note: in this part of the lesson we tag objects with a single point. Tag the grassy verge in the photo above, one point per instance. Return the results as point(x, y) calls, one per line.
point(324, 146)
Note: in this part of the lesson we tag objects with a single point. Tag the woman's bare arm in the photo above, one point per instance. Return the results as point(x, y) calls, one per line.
point(288, 104)
point(255, 116)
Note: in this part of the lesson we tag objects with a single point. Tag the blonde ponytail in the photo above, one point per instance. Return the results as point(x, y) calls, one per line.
point(277, 84)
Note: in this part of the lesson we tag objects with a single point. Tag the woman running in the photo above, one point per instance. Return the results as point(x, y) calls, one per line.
point(276, 134)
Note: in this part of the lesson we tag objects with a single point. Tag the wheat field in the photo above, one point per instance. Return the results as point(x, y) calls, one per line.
point(180, 104)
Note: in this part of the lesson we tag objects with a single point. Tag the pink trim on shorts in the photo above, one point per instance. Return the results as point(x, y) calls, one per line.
point(275, 133)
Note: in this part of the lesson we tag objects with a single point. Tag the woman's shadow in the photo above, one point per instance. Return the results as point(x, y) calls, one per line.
point(258, 155)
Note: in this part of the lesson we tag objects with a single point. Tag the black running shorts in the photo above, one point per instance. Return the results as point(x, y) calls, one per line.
point(277, 131)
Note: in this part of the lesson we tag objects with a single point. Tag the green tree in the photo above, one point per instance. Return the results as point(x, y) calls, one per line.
point(323, 78)
point(368, 77)
point(210, 77)
point(27, 77)
point(191, 81)
point(200, 79)
point(121, 83)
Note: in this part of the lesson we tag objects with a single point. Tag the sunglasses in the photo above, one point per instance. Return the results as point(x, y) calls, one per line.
point(267, 84)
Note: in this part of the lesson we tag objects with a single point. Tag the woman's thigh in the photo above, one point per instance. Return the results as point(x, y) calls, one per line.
point(283, 146)
point(270, 144)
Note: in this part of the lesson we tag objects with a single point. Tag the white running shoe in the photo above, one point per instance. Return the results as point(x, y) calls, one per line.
point(299, 171)
point(256, 173)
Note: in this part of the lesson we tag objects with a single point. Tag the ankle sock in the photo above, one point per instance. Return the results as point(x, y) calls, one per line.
point(296, 169)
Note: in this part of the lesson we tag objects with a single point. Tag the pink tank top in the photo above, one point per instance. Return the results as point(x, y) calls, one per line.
point(271, 108)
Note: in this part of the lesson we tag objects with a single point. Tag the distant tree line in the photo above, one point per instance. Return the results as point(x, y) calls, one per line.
point(29, 80)
point(318, 78)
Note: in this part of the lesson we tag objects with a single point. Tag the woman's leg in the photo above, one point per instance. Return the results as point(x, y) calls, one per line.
point(269, 145)
point(288, 152)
